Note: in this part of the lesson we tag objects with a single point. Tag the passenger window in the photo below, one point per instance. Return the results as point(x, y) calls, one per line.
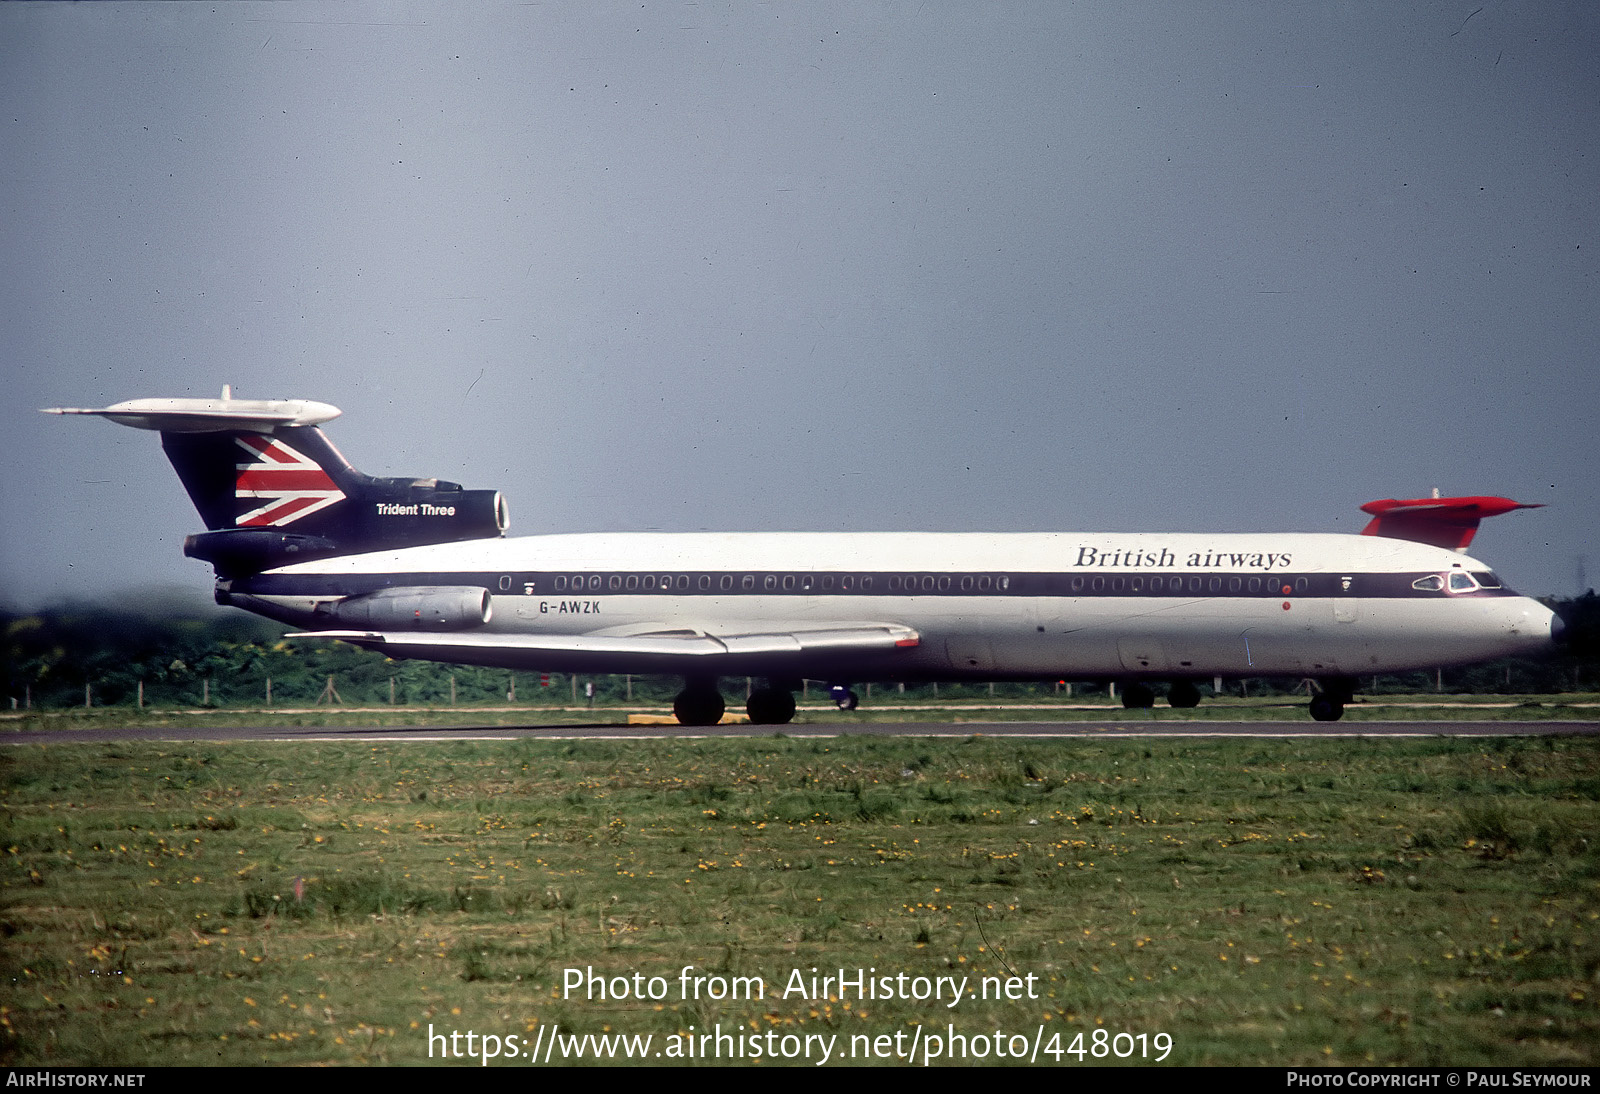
point(845, 582)
point(594, 582)
point(788, 582)
point(726, 582)
point(770, 582)
point(1433, 583)
point(560, 583)
point(748, 581)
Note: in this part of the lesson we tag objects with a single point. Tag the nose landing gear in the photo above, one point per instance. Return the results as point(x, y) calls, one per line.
point(1327, 705)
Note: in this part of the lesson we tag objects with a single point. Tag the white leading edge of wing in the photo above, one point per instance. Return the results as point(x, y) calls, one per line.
point(693, 647)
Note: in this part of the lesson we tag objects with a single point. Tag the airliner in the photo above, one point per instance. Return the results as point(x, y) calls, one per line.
point(420, 568)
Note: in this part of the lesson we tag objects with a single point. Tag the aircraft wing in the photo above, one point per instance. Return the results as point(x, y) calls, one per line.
point(690, 652)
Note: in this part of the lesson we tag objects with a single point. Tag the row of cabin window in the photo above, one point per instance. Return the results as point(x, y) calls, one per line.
point(826, 583)
point(915, 583)
point(1177, 584)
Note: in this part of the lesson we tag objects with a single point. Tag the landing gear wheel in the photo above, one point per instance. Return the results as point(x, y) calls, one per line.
point(1333, 692)
point(1183, 695)
point(1138, 696)
point(698, 708)
point(770, 707)
point(1324, 709)
point(843, 697)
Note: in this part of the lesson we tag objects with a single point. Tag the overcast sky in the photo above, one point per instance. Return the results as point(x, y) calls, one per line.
point(955, 266)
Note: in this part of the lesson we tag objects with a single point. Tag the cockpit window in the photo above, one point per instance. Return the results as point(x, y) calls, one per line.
point(1462, 583)
point(1433, 583)
point(1487, 579)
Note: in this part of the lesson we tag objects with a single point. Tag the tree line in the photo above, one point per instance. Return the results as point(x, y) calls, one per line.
point(66, 656)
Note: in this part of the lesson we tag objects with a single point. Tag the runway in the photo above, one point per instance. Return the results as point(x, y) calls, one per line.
point(1118, 728)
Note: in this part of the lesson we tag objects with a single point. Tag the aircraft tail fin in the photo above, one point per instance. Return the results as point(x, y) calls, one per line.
point(1442, 522)
point(272, 489)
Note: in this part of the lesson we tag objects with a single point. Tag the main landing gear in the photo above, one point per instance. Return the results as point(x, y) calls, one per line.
point(701, 704)
point(1181, 694)
point(770, 706)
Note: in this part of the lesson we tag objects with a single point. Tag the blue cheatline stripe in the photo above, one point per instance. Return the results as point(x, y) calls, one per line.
point(847, 583)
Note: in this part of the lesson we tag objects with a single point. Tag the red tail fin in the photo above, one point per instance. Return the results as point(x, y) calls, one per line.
point(1442, 522)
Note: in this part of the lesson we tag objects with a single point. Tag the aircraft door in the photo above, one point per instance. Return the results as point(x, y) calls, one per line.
point(1346, 605)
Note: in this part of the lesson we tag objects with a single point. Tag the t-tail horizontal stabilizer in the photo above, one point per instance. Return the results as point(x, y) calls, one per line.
point(272, 489)
point(1441, 522)
point(226, 414)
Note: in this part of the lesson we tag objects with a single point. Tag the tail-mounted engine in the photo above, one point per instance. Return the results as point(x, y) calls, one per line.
point(411, 608)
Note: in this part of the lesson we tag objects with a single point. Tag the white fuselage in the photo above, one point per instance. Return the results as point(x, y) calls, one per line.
point(985, 606)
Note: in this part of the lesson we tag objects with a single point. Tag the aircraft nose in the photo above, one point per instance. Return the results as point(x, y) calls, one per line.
point(1558, 630)
point(1531, 628)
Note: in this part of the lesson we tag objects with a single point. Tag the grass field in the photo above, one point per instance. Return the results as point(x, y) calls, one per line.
point(1571, 706)
point(1312, 901)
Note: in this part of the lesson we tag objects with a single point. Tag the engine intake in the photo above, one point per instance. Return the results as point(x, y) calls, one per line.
point(414, 512)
